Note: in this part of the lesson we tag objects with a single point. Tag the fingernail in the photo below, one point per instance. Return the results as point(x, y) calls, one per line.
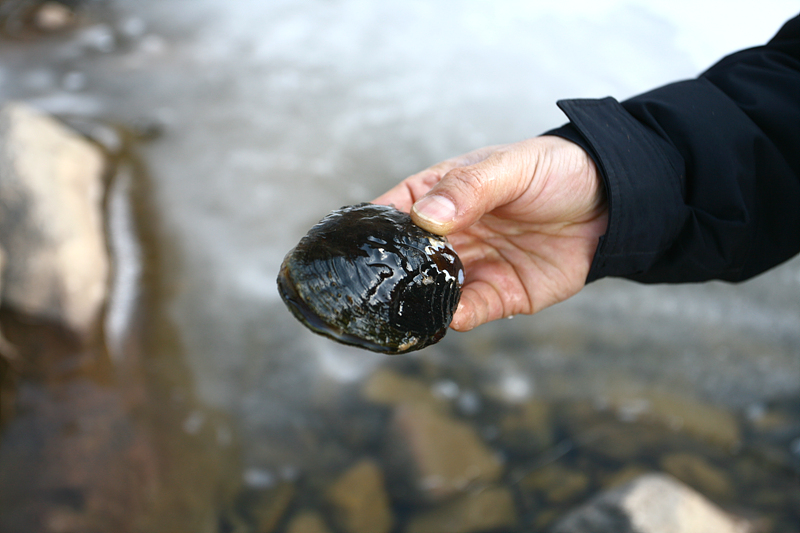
point(435, 209)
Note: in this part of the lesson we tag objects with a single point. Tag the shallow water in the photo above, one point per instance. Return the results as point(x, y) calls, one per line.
point(264, 117)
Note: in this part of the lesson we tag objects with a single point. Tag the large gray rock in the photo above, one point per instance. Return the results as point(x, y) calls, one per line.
point(652, 503)
point(51, 222)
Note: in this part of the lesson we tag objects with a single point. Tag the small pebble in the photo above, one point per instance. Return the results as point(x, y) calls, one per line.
point(99, 37)
point(194, 422)
point(755, 411)
point(53, 16)
point(469, 403)
point(446, 388)
point(257, 478)
point(794, 447)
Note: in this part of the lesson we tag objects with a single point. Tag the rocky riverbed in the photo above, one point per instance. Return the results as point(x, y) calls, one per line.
point(154, 382)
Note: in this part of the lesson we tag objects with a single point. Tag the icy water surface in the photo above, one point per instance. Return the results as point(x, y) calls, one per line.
point(240, 124)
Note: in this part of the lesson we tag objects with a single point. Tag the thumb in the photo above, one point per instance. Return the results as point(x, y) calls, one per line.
point(465, 194)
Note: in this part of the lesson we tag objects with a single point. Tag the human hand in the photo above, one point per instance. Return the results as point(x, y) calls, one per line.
point(524, 218)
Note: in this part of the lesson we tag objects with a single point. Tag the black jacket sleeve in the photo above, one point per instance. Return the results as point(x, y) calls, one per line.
point(702, 176)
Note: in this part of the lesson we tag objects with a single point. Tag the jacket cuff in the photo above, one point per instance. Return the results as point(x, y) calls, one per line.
point(643, 176)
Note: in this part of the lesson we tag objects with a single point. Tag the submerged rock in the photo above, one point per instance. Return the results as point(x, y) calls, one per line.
point(697, 472)
point(73, 460)
point(359, 500)
point(275, 503)
point(690, 415)
point(51, 219)
point(53, 16)
point(265, 508)
point(556, 483)
point(435, 457)
point(653, 503)
point(388, 387)
point(527, 428)
point(307, 522)
point(490, 509)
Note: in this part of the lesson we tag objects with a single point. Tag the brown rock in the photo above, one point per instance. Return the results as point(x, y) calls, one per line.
point(51, 219)
point(528, 428)
point(622, 441)
point(653, 503)
point(387, 387)
point(698, 473)
point(436, 456)
point(545, 518)
point(485, 510)
point(307, 522)
point(771, 421)
point(359, 500)
point(623, 476)
point(268, 506)
point(604, 434)
point(72, 460)
point(53, 16)
point(689, 415)
point(558, 484)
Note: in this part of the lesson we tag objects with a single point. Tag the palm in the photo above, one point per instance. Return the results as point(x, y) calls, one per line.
point(524, 255)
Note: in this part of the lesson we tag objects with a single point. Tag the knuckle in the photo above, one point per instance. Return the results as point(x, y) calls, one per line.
point(468, 181)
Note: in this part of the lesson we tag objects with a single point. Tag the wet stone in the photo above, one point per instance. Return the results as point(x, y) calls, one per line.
point(764, 420)
point(490, 509)
point(307, 522)
point(545, 518)
point(53, 16)
point(681, 413)
point(51, 219)
point(387, 387)
point(527, 429)
point(557, 483)
point(359, 501)
point(72, 460)
point(749, 470)
point(653, 503)
point(266, 507)
point(623, 476)
point(771, 498)
point(620, 441)
point(698, 473)
point(436, 457)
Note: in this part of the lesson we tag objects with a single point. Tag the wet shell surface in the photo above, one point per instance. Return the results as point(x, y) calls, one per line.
point(367, 276)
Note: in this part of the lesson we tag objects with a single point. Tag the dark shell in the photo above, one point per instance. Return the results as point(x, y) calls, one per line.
point(366, 275)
